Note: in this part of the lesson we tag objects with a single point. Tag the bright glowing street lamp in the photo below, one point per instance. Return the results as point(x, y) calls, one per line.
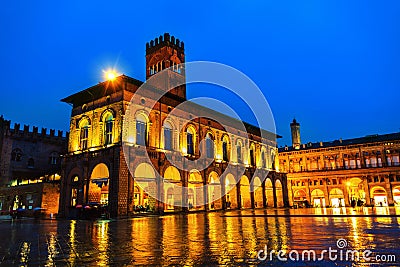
point(110, 75)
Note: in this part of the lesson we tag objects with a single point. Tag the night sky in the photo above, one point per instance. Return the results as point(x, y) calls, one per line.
point(334, 65)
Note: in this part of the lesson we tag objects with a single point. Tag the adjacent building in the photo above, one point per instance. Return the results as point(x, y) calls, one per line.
point(241, 171)
point(337, 173)
point(29, 157)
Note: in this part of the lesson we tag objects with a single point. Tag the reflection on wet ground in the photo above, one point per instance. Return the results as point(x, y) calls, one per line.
point(214, 238)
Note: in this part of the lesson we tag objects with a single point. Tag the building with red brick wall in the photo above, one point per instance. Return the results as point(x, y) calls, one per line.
point(95, 170)
point(40, 197)
point(29, 154)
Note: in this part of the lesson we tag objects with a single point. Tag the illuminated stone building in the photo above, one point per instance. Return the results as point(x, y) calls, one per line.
point(335, 173)
point(29, 157)
point(95, 169)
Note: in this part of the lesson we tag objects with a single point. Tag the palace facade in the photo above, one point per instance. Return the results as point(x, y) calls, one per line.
point(30, 164)
point(127, 164)
point(334, 174)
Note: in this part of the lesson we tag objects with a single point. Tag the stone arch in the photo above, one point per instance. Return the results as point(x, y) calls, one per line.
point(214, 191)
point(269, 192)
point(299, 196)
point(144, 171)
point(318, 198)
point(396, 196)
point(245, 192)
point(83, 121)
point(107, 112)
point(172, 174)
point(145, 178)
point(258, 192)
point(356, 189)
point(98, 184)
point(336, 198)
point(379, 195)
point(195, 190)
point(279, 193)
point(230, 191)
point(172, 189)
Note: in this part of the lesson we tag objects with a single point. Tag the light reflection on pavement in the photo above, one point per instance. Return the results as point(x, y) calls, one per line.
point(214, 238)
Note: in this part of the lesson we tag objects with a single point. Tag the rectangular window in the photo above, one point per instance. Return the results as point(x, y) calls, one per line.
point(252, 162)
point(108, 132)
point(84, 138)
point(352, 163)
point(140, 133)
point(190, 147)
point(373, 162)
point(395, 160)
point(167, 139)
point(225, 151)
point(210, 148)
point(239, 154)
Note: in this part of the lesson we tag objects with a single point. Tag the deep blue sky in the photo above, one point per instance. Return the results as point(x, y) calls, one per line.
point(334, 65)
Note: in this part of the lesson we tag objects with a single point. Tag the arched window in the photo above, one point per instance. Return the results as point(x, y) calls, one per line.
point(141, 130)
point(209, 146)
point(16, 155)
point(263, 162)
point(84, 134)
point(225, 154)
point(108, 128)
point(239, 151)
point(168, 130)
point(190, 141)
point(252, 161)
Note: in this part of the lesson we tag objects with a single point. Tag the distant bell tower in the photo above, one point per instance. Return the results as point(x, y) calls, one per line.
point(167, 52)
point(295, 128)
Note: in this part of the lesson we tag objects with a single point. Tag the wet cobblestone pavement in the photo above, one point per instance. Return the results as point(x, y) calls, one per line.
point(230, 238)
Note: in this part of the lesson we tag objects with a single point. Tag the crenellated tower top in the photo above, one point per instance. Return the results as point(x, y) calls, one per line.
point(165, 52)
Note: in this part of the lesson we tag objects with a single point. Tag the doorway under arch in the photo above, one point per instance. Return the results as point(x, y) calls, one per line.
point(214, 191)
point(337, 198)
point(98, 185)
point(245, 192)
point(318, 198)
point(279, 194)
point(230, 191)
point(258, 193)
point(172, 189)
point(145, 179)
point(195, 191)
point(379, 195)
point(269, 192)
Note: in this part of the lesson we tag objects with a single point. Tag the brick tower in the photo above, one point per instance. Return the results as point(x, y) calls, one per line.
point(167, 52)
point(295, 129)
